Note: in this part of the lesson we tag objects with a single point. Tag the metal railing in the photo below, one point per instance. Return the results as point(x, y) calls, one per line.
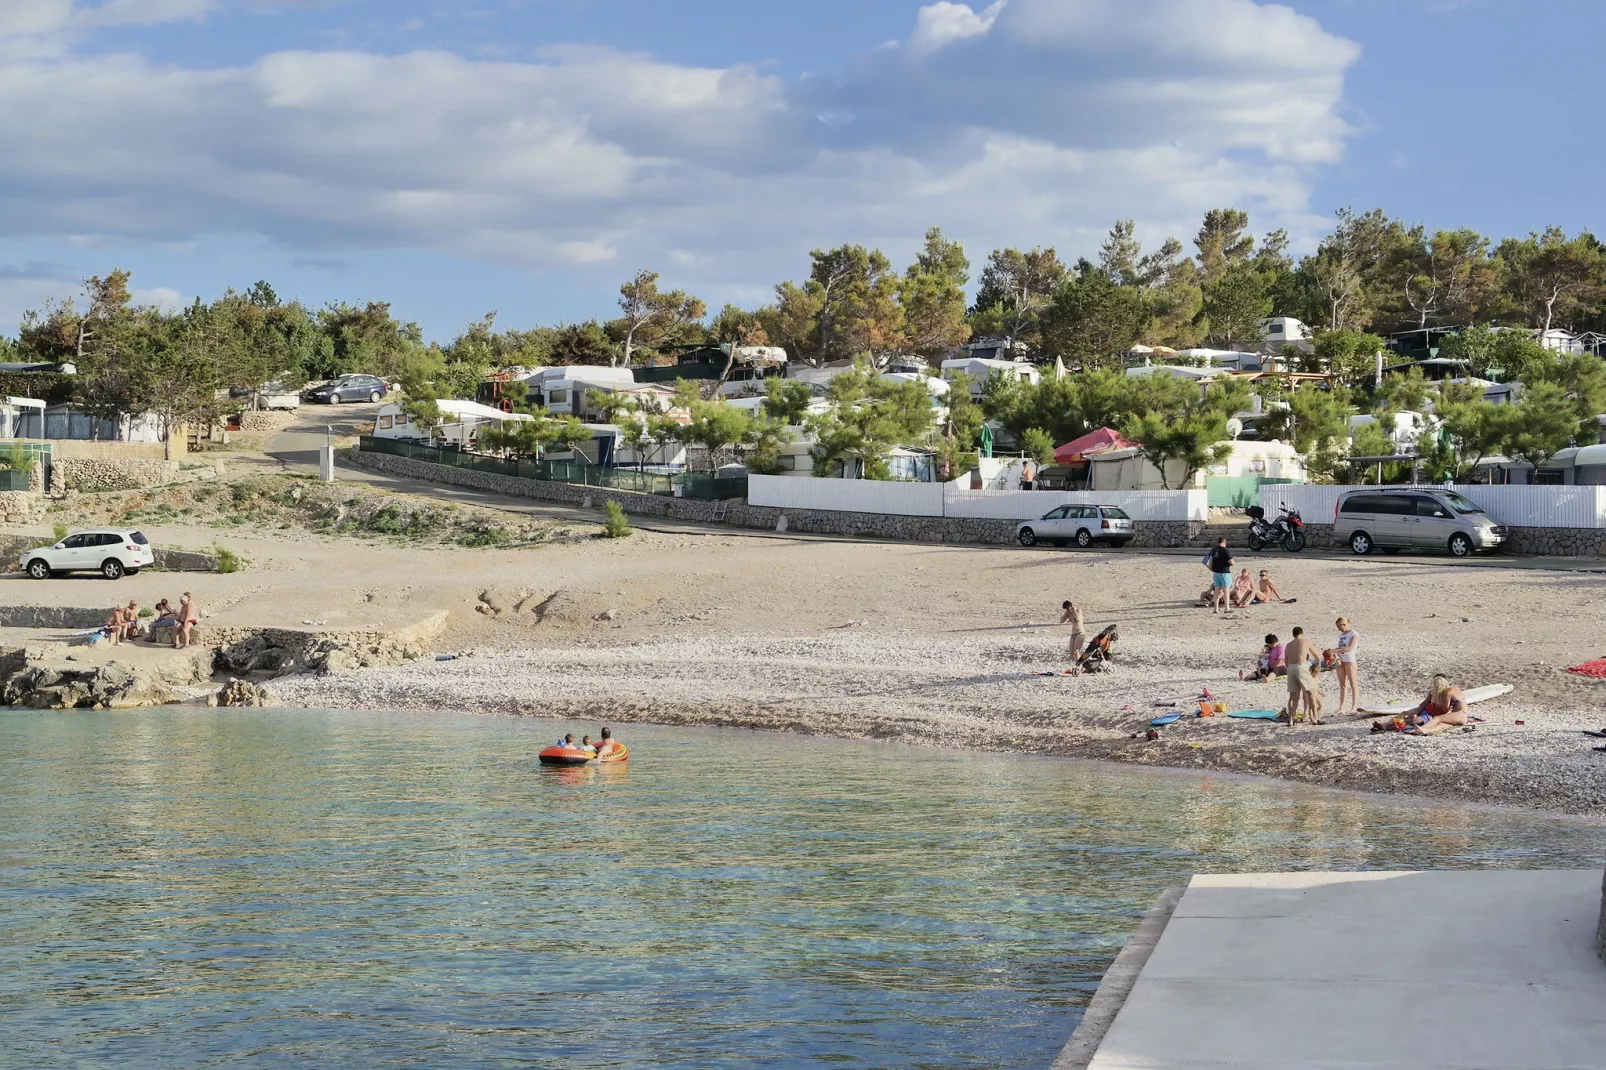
point(689, 485)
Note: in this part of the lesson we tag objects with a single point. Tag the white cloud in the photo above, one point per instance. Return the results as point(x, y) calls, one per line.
point(941, 23)
point(1035, 121)
point(162, 297)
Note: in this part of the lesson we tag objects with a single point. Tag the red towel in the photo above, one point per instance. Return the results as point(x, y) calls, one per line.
point(1596, 668)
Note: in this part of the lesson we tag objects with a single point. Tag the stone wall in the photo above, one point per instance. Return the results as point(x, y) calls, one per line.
point(266, 420)
point(96, 473)
point(740, 514)
point(20, 507)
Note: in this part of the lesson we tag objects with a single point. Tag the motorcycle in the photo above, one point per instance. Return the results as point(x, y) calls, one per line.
point(1288, 530)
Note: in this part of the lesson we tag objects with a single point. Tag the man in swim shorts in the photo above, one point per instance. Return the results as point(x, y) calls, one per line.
point(1220, 575)
point(1296, 654)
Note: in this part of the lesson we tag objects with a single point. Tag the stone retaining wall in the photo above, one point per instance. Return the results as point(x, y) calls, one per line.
point(20, 507)
point(96, 473)
point(740, 514)
point(266, 420)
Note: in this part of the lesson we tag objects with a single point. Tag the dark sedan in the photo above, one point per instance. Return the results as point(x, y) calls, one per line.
point(348, 388)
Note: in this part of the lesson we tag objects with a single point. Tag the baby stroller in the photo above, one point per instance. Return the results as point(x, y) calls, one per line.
point(1096, 658)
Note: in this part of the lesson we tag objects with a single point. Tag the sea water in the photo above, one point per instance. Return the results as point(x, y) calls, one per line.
point(200, 888)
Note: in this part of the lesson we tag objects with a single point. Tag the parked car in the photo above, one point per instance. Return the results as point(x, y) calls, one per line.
point(1420, 518)
point(113, 552)
point(348, 388)
point(1081, 524)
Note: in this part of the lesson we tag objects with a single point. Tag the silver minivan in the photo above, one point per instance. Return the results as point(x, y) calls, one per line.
point(1416, 518)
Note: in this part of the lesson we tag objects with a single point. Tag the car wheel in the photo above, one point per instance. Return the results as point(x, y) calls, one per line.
point(1361, 543)
point(375, 396)
point(1027, 537)
point(112, 568)
point(1084, 538)
point(40, 569)
point(1460, 545)
point(334, 399)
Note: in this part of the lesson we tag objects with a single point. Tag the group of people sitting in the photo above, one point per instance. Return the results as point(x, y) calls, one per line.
point(600, 749)
point(1246, 590)
point(125, 625)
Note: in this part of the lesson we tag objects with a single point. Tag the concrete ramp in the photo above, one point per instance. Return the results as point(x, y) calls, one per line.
point(1370, 971)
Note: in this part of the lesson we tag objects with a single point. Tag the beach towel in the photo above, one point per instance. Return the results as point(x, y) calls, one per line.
point(1595, 669)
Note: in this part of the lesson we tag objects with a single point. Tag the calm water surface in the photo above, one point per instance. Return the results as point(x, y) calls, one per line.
point(200, 888)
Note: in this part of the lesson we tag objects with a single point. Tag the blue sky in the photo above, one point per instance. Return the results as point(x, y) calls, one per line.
point(529, 155)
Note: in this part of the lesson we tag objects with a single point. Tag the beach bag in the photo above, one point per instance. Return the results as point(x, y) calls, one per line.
point(1205, 560)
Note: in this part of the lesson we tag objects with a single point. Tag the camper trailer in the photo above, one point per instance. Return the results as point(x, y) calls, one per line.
point(459, 425)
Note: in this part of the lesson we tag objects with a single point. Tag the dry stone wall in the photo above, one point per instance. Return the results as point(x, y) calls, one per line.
point(20, 507)
point(94, 473)
point(1523, 542)
point(266, 420)
point(740, 514)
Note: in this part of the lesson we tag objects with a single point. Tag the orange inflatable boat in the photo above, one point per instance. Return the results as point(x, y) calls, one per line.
point(578, 756)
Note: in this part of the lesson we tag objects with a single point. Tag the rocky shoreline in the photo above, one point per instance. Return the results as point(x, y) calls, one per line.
point(983, 696)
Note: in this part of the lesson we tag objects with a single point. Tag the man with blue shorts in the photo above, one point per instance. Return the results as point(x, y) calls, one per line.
point(1220, 562)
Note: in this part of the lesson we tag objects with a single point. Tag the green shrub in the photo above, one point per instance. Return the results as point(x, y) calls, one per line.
point(146, 611)
point(615, 526)
point(227, 560)
point(61, 531)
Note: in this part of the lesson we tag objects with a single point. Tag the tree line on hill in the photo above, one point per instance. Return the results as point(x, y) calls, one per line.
point(1370, 275)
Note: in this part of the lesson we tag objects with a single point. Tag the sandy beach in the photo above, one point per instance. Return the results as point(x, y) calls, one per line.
point(938, 645)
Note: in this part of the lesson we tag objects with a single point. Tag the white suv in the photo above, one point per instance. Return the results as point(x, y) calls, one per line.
point(112, 552)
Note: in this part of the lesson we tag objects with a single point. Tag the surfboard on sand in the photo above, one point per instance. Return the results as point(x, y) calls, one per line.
point(1474, 694)
point(1257, 715)
point(1170, 718)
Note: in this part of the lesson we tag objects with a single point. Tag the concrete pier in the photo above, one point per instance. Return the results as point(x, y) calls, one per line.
point(1393, 971)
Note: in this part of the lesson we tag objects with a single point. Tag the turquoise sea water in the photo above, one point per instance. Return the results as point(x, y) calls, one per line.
point(208, 888)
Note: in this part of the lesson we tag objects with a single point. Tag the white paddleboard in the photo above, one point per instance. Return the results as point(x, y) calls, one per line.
point(1473, 694)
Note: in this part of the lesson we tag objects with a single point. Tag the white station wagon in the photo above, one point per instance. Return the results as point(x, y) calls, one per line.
point(112, 552)
point(1081, 524)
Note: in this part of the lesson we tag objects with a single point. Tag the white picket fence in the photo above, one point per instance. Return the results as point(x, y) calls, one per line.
point(958, 500)
point(1523, 507)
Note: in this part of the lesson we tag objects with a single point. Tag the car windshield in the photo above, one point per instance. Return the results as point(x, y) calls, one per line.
point(1112, 513)
point(139, 539)
point(1461, 505)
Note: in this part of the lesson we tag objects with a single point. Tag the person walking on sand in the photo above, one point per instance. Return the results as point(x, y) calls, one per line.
point(1220, 563)
point(189, 615)
point(1343, 655)
point(1073, 617)
point(1297, 654)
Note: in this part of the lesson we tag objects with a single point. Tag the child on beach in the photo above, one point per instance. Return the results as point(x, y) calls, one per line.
point(1343, 658)
point(1073, 617)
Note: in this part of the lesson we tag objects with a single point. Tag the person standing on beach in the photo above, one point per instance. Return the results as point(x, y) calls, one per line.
point(189, 615)
point(1344, 655)
point(1297, 654)
point(1220, 561)
point(1028, 475)
point(1073, 617)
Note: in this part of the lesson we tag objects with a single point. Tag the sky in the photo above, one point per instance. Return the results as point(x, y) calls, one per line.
point(456, 157)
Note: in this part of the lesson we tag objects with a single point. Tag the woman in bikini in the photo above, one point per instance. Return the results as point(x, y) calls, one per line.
point(1444, 708)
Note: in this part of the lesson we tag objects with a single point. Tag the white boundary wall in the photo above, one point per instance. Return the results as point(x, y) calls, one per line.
point(845, 495)
point(1146, 505)
point(958, 500)
point(1520, 507)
